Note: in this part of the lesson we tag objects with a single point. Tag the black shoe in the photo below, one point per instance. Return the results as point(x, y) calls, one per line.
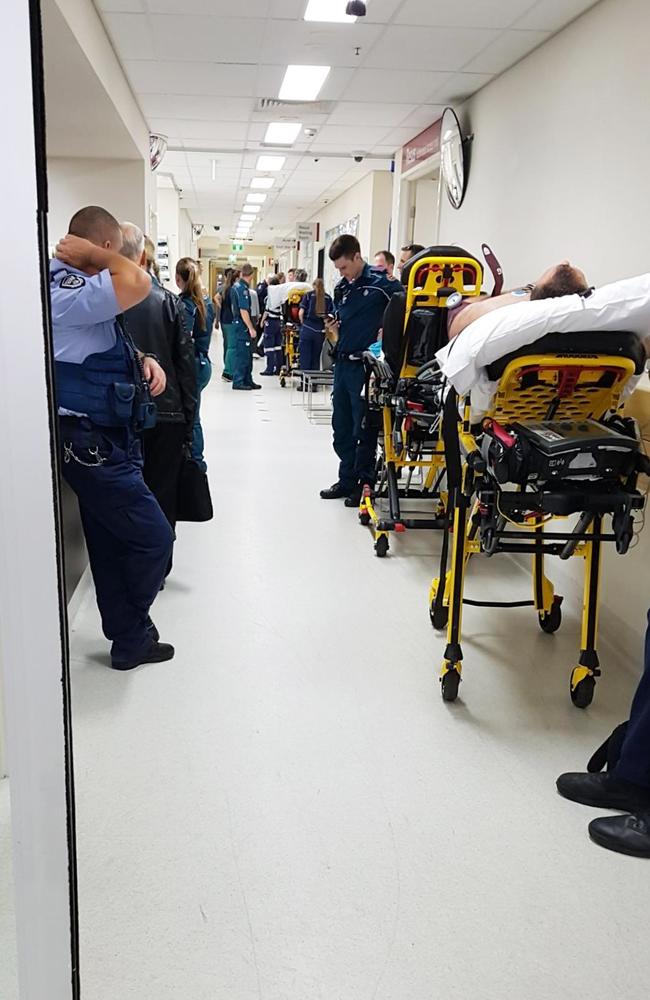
point(226, 378)
point(623, 834)
point(354, 500)
point(604, 791)
point(267, 373)
point(158, 652)
point(242, 388)
point(254, 385)
point(335, 492)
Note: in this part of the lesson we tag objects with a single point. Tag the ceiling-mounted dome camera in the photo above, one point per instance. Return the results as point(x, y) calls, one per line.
point(356, 8)
point(216, 228)
point(359, 156)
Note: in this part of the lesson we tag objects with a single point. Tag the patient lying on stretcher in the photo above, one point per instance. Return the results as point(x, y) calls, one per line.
point(561, 279)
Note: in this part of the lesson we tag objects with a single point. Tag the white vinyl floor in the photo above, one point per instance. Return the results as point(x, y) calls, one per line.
point(288, 811)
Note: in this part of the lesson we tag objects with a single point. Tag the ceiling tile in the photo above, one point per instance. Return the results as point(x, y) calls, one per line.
point(236, 109)
point(553, 15)
point(429, 48)
point(396, 85)
point(477, 13)
point(131, 35)
point(353, 112)
point(423, 116)
point(506, 51)
point(135, 6)
point(350, 137)
point(220, 132)
point(188, 78)
point(318, 44)
point(206, 38)
point(461, 86)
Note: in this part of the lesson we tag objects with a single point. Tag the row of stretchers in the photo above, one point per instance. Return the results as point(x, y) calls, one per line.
point(549, 468)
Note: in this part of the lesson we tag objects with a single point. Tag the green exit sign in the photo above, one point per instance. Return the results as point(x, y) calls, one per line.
point(237, 247)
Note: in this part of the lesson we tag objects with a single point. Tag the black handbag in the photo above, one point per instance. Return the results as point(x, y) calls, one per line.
point(194, 501)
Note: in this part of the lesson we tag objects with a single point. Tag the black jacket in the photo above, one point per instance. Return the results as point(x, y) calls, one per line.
point(157, 327)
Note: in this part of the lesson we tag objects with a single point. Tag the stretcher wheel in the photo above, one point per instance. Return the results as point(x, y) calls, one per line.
point(582, 694)
point(364, 518)
point(283, 381)
point(551, 622)
point(449, 685)
point(381, 547)
point(439, 617)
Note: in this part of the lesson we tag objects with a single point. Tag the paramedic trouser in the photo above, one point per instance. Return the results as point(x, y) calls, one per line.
point(352, 445)
point(273, 346)
point(243, 361)
point(634, 763)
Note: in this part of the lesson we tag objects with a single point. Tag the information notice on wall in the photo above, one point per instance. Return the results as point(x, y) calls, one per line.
point(348, 228)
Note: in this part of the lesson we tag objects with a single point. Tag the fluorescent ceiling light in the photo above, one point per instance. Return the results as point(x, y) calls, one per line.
point(282, 133)
point(303, 83)
point(214, 170)
point(256, 199)
point(270, 163)
point(250, 219)
point(327, 10)
point(262, 183)
point(251, 209)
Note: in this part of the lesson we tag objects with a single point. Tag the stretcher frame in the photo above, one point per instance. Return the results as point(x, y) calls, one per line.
point(573, 387)
point(432, 279)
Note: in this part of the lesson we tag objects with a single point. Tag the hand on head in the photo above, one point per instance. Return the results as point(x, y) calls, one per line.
point(77, 252)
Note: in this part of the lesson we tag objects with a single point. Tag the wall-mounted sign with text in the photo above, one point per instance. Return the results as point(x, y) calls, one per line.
point(307, 232)
point(285, 243)
point(423, 147)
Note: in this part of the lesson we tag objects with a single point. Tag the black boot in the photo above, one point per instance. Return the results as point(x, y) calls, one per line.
point(158, 652)
point(623, 834)
point(336, 492)
point(604, 791)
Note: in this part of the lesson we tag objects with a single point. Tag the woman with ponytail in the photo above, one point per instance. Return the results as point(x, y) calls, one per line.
point(314, 309)
point(199, 320)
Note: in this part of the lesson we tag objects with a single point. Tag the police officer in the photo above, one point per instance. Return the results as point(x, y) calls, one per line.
point(360, 300)
point(244, 332)
point(104, 401)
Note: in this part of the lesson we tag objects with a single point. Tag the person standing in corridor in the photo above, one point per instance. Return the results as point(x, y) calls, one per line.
point(245, 332)
point(360, 300)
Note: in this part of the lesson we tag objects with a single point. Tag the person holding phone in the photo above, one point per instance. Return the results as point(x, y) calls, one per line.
point(360, 300)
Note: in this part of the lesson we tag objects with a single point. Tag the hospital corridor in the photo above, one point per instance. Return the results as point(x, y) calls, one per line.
point(324, 586)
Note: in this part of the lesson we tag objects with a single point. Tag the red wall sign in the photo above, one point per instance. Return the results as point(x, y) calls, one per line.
point(422, 147)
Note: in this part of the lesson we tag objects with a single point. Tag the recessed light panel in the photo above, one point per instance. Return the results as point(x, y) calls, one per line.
point(282, 133)
point(328, 10)
point(262, 183)
point(303, 83)
point(256, 199)
point(270, 163)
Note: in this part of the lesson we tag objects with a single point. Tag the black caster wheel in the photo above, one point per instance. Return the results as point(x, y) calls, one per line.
point(364, 518)
point(582, 694)
point(439, 617)
point(381, 547)
point(449, 685)
point(551, 622)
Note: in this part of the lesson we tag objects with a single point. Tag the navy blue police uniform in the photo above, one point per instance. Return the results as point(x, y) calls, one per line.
point(103, 405)
point(242, 376)
point(359, 307)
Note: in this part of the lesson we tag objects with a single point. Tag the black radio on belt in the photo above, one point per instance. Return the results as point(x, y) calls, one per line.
point(563, 449)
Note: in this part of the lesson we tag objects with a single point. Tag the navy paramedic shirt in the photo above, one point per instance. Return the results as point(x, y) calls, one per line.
point(360, 307)
point(241, 299)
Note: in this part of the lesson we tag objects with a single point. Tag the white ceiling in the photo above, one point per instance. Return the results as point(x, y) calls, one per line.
point(198, 74)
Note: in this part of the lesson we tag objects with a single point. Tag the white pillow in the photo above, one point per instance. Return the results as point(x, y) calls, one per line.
point(623, 305)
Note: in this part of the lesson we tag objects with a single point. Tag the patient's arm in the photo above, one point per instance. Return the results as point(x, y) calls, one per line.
point(466, 314)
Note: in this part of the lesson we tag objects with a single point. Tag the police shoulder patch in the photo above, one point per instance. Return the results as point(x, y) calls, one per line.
point(73, 281)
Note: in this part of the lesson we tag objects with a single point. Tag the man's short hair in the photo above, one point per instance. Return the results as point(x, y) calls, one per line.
point(565, 280)
point(273, 280)
point(344, 246)
point(95, 224)
point(247, 270)
point(300, 275)
point(132, 241)
point(387, 255)
point(412, 248)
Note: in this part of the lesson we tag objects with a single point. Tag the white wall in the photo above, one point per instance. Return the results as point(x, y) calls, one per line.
point(560, 169)
point(370, 199)
point(117, 185)
point(426, 211)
